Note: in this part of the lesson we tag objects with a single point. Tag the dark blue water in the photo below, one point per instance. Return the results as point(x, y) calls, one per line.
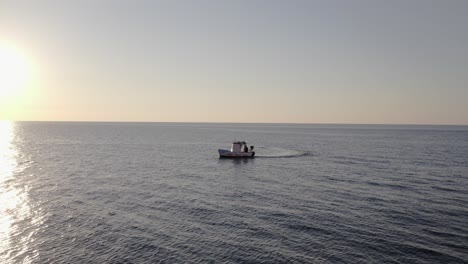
point(158, 193)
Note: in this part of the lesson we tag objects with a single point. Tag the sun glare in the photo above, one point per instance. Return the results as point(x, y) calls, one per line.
point(14, 71)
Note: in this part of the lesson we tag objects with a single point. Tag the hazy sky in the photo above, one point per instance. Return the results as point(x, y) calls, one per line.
point(240, 61)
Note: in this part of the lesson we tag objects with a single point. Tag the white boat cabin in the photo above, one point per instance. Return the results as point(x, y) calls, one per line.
point(239, 147)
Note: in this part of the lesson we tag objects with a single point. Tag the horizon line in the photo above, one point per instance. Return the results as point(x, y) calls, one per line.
point(218, 122)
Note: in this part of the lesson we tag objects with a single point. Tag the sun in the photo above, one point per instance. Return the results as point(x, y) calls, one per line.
point(14, 71)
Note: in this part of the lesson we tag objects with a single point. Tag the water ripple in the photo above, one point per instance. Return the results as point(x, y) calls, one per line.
point(157, 193)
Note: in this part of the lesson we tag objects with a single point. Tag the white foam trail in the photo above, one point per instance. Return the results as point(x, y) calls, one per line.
point(279, 153)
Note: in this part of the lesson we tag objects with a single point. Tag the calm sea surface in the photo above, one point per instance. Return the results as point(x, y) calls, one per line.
point(158, 193)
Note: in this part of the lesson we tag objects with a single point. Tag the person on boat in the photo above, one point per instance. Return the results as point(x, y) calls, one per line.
point(246, 149)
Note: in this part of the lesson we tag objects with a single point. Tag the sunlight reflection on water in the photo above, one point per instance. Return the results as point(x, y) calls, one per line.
point(14, 205)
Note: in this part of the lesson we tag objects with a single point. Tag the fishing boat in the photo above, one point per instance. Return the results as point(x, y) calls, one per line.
point(239, 149)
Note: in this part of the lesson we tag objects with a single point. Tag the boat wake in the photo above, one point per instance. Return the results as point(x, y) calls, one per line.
point(279, 153)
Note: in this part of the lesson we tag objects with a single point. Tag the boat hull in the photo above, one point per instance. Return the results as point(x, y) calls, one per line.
point(233, 155)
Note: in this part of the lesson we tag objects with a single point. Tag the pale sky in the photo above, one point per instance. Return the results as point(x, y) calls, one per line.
point(348, 61)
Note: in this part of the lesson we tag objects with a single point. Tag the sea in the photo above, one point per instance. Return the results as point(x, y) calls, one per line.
point(97, 192)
